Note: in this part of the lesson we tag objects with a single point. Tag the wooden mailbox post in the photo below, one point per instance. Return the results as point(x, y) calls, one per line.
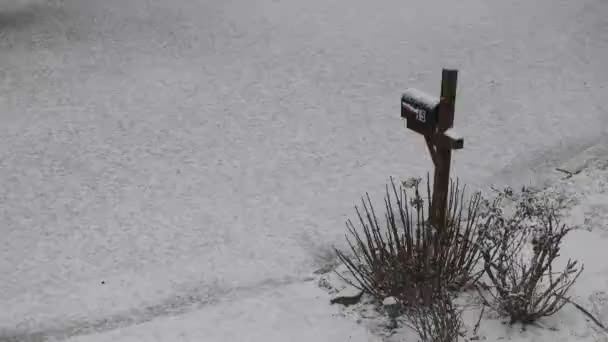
point(434, 118)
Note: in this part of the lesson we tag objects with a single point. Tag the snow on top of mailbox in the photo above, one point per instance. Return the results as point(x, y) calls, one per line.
point(421, 97)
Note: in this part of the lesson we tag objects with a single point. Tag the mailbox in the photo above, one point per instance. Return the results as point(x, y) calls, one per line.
point(420, 110)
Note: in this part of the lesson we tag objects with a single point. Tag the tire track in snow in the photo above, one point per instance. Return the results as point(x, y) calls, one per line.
point(180, 304)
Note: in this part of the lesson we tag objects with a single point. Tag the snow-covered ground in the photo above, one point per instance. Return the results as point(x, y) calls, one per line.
point(188, 160)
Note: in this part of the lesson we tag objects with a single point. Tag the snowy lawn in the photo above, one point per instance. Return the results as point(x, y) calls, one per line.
point(159, 156)
point(301, 311)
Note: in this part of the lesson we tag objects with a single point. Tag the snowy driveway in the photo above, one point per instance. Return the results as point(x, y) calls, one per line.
point(180, 151)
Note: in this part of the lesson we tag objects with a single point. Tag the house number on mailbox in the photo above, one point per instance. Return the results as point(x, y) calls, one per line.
point(421, 116)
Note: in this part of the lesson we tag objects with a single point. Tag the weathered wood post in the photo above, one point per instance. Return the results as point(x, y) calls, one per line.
point(434, 118)
point(444, 151)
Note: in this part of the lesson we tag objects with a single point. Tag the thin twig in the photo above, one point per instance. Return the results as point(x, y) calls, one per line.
point(483, 307)
point(584, 311)
point(569, 173)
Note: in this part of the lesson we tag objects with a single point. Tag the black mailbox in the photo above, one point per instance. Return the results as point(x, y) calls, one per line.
point(420, 110)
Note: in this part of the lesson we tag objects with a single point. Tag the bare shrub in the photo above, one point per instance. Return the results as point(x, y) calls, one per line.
point(436, 321)
point(519, 251)
point(393, 261)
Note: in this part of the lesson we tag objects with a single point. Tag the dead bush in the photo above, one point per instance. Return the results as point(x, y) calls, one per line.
point(436, 321)
point(519, 251)
point(393, 261)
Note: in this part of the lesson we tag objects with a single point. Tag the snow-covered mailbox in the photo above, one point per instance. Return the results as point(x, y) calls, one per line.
point(420, 111)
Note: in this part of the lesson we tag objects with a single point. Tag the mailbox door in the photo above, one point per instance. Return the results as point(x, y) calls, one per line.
point(419, 119)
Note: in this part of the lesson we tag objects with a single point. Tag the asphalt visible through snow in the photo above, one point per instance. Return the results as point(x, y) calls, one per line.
point(165, 147)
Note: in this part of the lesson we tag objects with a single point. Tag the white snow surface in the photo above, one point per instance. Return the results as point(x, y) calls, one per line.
point(421, 97)
point(299, 312)
point(160, 157)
